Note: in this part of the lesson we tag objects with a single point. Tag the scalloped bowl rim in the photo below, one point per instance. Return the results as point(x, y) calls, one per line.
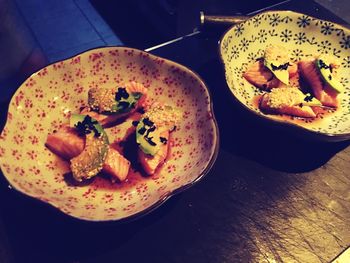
point(318, 134)
point(167, 195)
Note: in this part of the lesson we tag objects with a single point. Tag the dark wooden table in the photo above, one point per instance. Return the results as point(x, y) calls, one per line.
point(270, 197)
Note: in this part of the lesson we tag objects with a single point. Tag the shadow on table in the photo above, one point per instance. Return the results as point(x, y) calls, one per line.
point(192, 227)
point(242, 133)
point(40, 233)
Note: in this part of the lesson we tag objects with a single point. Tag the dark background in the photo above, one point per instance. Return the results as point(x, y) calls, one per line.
point(142, 24)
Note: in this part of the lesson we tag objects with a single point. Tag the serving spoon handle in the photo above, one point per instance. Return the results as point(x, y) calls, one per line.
point(221, 20)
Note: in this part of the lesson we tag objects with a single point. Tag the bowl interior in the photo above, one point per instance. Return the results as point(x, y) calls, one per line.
point(46, 99)
point(304, 36)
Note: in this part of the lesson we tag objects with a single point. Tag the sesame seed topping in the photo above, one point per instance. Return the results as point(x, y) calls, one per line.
point(102, 99)
point(90, 161)
point(284, 97)
point(163, 115)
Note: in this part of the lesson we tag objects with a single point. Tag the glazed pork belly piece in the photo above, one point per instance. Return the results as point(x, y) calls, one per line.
point(108, 105)
point(68, 144)
point(320, 88)
point(287, 101)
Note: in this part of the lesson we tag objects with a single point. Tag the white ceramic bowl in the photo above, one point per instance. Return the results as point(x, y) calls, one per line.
point(46, 99)
point(304, 36)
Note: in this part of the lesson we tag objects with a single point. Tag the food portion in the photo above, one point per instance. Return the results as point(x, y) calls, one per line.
point(116, 165)
point(108, 105)
point(274, 69)
point(65, 142)
point(277, 60)
point(321, 76)
point(152, 136)
point(295, 88)
point(328, 73)
point(260, 76)
point(150, 163)
point(90, 161)
point(85, 144)
point(289, 101)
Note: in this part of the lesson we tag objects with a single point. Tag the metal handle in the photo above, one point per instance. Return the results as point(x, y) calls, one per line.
point(221, 20)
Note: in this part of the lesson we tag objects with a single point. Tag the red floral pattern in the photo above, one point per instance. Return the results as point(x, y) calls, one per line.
point(45, 101)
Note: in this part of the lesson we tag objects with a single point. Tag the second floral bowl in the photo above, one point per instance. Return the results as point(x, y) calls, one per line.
point(304, 37)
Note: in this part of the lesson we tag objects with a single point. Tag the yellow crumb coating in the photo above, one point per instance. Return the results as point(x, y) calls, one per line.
point(102, 98)
point(284, 97)
point(163, 115)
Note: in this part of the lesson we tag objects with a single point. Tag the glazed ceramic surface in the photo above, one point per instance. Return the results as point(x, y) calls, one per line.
point(45, 101)
point(304, 36)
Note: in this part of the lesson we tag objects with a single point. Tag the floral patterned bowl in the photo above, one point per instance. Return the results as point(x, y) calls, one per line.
point(304, 36)
point(47, 98)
